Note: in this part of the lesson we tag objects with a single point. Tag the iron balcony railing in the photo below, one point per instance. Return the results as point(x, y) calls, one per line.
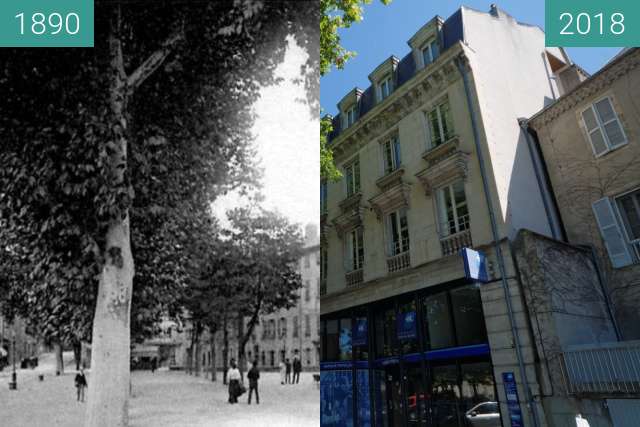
point(611, 368)
point(354, 277)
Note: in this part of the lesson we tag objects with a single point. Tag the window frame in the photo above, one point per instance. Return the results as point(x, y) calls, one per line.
point(385, 82)
point(443, 136)
point(601, 126)
point(443, 221)
point(396, 154)
point(391, 247)
point(622, 215)
point(428, 47)
point(351, 165)
point(350, 116)
point(352, 246)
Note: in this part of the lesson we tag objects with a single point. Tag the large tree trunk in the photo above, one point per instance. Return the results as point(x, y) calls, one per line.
point(196, 351)
point(243, 337)
point(212, 343)
point(77, 354)
point(225, 350)
point(57, 351)
point(107, 404)
point(108, 398)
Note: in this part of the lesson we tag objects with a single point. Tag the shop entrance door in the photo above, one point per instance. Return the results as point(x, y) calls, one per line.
point(388, 400)
point(417, 396)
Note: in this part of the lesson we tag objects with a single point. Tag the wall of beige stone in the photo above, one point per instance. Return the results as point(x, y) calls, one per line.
point(566, 306)
point(578, 178)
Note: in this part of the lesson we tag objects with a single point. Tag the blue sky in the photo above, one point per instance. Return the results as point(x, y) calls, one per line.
point(384, 31)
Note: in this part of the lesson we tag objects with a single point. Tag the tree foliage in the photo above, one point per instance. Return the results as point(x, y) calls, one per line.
point(335, 16)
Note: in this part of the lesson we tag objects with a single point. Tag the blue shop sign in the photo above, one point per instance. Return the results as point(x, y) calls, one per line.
point(406, 325)
point(475, 265)
point(511, 391)
point(360, 332)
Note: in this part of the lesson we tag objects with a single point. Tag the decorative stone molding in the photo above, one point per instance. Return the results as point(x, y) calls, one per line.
point(445, 163)
point(423, 87)
point(597, 83)
point(352, 214)
point(394, 195)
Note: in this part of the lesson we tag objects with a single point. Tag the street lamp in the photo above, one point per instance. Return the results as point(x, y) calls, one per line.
point(13, 385)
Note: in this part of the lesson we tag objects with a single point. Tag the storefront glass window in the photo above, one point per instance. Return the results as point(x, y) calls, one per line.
point(386, 344)
point(331, 340)
point(407, 327)
point(360, 339)
point(445, 395)
point(364, 401)
point(345, 339)
point(438, 318)
point(478, 402)
point(468, 317)
point(416, 395)
point(336, 398)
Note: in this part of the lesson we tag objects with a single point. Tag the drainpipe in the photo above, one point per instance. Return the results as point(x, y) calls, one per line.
point(496, 240)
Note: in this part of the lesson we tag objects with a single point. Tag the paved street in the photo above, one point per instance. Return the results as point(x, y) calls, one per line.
point(160, 399)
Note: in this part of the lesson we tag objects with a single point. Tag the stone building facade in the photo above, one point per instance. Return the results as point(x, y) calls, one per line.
point(589, 140)
point(434, 160)
point(279, 334)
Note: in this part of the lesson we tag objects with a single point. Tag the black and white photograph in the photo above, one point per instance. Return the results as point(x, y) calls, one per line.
point(159, 220)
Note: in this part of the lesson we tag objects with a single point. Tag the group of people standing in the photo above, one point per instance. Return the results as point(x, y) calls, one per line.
point(287, 366)
point(236, 388)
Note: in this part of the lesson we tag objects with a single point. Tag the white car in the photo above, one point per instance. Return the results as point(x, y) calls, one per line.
point(485, 414)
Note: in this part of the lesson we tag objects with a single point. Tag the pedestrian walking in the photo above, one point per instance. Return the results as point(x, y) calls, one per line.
point(297, 368)
point(235, 387)
point(283, 372)
point(287, 377)
point(254, 376)
point(154, 365)
point(81, 384)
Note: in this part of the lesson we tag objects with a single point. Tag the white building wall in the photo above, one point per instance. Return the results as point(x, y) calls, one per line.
point(510, 73)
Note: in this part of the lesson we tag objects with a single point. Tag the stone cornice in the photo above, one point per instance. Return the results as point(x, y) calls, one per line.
point(425, 85)
point(596, 83)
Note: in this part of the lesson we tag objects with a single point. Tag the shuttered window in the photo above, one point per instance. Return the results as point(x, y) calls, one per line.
point(614, 240)
point(603, 127)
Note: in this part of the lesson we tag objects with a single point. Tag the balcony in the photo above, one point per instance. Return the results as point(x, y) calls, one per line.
point(609, 369)
point(398, 262)
point(351, 216)
point(457, 240)
point(445, 163)
point(394, 193)
point(354, 278)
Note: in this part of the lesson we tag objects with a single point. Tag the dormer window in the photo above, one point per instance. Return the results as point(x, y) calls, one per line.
point(430, 52)
point(350, 117)
point(385, 88)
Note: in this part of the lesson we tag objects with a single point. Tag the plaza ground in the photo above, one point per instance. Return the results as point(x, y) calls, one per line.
point(166, 398)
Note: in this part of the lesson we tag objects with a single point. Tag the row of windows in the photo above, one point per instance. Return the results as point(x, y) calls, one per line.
point(440, 130)
point(445, 319)
point(384, 87)
point(453, 215)
point(269, 327)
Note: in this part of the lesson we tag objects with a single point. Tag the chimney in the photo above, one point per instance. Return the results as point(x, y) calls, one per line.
point(570, 77)
point(494, 10)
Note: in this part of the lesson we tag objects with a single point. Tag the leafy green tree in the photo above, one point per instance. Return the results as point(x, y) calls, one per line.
point(335, 15)
point(106, 148)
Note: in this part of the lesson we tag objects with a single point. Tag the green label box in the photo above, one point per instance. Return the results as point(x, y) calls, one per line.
point(601, 23)
point(46, 23)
